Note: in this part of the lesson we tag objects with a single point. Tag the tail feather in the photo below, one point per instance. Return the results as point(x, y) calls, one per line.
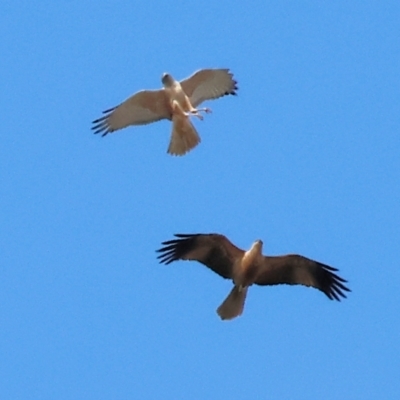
point(233, 305)
point(184, 136)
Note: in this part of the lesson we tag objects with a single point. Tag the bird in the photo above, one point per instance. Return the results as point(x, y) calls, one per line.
point(176, 101)
point(245, 268)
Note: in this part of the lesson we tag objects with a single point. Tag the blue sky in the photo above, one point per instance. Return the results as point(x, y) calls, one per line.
point(306, 157)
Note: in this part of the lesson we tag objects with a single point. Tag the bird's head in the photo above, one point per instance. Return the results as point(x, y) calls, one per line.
point(254, 252)
point(167, 79)
point(258, 244)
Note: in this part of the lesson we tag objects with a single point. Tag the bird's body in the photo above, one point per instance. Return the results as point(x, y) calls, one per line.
point(176, 101)
point(245, 268)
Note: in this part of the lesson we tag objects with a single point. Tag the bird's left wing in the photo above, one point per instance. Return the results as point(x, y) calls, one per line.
point(299, 270)
point(142, 108)
point(207, 84)
point(213, 250)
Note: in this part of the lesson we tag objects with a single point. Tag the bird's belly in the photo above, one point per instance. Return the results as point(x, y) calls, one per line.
point(250, 275)
point(245, 276)
point(180, 97)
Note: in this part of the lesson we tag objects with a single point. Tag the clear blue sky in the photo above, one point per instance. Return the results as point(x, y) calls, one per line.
point(306, 158)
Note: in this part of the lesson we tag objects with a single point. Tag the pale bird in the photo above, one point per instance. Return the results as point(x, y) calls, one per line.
point(250, 267)
point(176, 101)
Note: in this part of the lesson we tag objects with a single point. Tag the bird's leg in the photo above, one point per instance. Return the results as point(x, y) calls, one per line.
point(205, 109)
point(177, 108)
point(195, 113)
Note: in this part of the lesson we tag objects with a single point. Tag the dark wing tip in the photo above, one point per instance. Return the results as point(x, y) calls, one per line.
point(234, 88)
point(185, 235)
point(104, 130)
point(174, 249)
point(232, 92)
point(109, 110)
point(101, 124)
point(333, 285)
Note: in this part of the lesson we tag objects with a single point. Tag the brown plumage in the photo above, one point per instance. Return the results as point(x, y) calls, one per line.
point(176, 101)
point(251, 267)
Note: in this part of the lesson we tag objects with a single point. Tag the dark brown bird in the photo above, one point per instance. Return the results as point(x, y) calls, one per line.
point(247, 267)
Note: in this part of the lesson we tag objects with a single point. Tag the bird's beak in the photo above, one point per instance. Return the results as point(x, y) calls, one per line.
point(164, 78)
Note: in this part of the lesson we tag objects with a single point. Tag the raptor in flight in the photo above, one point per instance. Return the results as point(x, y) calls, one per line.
point(251, 267)
point(176, 101)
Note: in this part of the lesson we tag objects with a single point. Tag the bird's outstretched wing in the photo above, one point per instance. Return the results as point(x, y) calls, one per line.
point(142, 108)
point(299, 270)
point(207, 84)
point(213, 250)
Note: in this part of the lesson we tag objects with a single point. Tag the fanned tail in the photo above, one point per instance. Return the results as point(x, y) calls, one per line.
point(184, 136)
point(233, 305)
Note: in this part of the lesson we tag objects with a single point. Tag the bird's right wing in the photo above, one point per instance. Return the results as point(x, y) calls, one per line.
point(293, 269)
point(208, 84)
point(213, 250)
point(142, 108)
